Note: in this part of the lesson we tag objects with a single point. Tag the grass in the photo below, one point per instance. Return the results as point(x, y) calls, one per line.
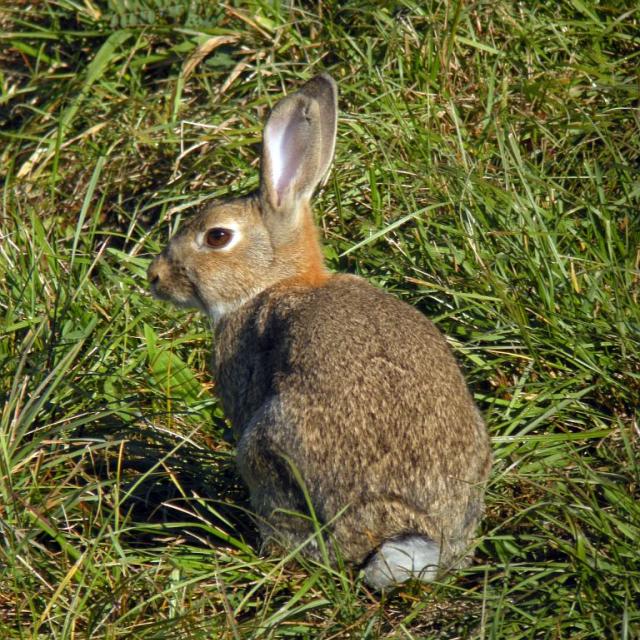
point(487, 171)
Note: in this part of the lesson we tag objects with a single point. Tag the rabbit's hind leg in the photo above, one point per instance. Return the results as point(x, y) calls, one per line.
point(278, 500)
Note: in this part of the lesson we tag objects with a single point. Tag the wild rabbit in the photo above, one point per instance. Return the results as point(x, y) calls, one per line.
point(326, 378)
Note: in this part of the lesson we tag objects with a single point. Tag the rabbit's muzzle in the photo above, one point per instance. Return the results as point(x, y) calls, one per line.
point(156, 273)
point(169, 282)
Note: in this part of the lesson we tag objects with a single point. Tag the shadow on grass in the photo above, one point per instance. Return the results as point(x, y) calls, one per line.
point(170, 488)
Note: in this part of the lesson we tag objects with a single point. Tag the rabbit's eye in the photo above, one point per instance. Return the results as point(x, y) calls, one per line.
point(218, 237)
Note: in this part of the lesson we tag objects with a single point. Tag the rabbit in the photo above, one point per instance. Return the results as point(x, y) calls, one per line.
point(343, 400)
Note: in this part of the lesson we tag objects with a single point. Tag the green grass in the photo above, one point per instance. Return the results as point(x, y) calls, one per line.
point(487, 171)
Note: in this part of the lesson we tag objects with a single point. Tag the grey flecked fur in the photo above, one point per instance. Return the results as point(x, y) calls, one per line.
point(362, 393)
point(354, 388)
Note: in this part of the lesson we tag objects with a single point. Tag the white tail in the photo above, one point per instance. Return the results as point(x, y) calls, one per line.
point(403, 558)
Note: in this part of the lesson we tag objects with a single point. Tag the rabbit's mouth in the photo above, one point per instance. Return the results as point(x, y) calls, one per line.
point(189, 297)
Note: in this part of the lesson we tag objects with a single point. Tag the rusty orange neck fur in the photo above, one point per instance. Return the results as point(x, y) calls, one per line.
point(306, 251)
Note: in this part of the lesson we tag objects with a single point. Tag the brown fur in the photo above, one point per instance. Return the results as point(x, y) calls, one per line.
point(363, 395)
point(323, 374)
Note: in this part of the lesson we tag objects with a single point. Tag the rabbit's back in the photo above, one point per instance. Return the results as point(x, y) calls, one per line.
point(366, 399)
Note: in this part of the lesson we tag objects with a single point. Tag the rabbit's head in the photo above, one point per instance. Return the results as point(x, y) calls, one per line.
point(231, 251)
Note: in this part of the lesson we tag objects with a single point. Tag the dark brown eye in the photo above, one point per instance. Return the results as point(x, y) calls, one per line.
point(218, 237)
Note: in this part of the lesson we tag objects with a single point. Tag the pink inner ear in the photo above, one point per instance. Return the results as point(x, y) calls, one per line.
point(287, 147)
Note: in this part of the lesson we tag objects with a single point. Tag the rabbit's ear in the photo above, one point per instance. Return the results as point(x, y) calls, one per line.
point(298, 143)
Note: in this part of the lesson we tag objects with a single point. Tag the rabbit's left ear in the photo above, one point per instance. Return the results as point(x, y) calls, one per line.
point(298, 144)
